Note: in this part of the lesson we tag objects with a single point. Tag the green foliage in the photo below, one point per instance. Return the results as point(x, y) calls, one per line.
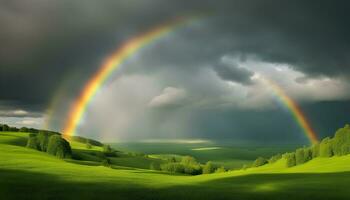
point(88, 145)
point(326, 147)
point(299, 156)
point(315, 150)
point(290, 159)
point(188, 165)
point(59, 147)
point(43, 139)
point(153, 166)
point(106, 163)
point(341, 141)
point(5, 127)
point(259, 162)
point(274, 158)
point(220, 170)
point(208, 168)
point(173, 167)
point(33, 142)
point(85, 140)
point(24, 129)
point(307, 154)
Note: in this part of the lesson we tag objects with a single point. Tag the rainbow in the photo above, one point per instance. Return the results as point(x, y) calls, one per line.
point(294, 109)
point(133, 45)
point(113, 62)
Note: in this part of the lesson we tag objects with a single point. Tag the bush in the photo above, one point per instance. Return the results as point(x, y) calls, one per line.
point(5, 127)
point(299, 156)
point(88, 145)
point(33, 142)
point(220, 170)
point(274, 158)
point(172, 167)
point(106, 163)
point(43, 139)
point(341, 141)
point(315, 150)
point(326, 149)
point(290, 158)
point(59, 147)
point(23, 129)
point(208, 168)
point(259, 162)
point(153, 166)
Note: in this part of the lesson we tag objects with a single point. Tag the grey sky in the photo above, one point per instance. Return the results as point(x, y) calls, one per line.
point(204, 80)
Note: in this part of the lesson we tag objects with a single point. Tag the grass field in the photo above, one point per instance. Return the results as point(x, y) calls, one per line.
point(30, 174)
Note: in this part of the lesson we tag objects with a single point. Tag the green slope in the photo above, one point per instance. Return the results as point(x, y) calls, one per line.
point(28, 173)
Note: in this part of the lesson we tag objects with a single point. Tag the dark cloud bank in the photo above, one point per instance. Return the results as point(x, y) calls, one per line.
point(47, 44)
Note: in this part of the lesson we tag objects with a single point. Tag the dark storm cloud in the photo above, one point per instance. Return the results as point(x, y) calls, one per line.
point(44, 43)
point(232, 72)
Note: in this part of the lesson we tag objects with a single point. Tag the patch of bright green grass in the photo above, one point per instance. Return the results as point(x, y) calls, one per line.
point(30, 174)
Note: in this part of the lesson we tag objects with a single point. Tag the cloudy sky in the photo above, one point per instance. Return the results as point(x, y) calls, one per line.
point(203, 80)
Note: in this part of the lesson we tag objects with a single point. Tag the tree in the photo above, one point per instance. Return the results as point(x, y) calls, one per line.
point(326, 149)
point(208, 168)
point(307, 154)
point(188, 160)
point(59, 147)
point(106, 162)
point(274, 158)
point(5, 127)
point(23, 129)
point(290, 159)
point(88, 145)
point(33, 142)
point(259, 162)
point(315, 150)
point(107, 148)
point(43, 139)
point(220, 170)
point(341, 141)
point(299, 156)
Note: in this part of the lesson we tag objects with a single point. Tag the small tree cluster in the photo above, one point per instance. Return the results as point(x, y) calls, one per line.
point(189, 165)
point(51, 143)
point(259, 162)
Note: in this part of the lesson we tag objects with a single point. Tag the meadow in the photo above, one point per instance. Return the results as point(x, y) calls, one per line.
point(30, 174)
point(230, 154)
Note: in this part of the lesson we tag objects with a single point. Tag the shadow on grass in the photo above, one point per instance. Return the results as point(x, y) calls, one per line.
point(16, 184)
point(16, 141)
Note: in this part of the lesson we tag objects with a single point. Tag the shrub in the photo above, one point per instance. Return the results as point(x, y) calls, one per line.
point(88, 145)
point(274, 158)
point(259, 162)
point(5, 127)
point(290, 158)
point(315, 150)
point(33, 142)
point(326, 149)
point(220, 170)
point(341, 141)
point(208, 168)
point(23, 129)
point(59, 147)
point(43, 139)
point(172, 167)
point(299, 156)
point(106, 163)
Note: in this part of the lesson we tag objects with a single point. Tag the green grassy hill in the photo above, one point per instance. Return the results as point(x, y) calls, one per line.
point(28, 173)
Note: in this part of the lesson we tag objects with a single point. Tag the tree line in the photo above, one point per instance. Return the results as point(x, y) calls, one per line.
point(338, 145)
point(7, 128)
point(51, 143)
